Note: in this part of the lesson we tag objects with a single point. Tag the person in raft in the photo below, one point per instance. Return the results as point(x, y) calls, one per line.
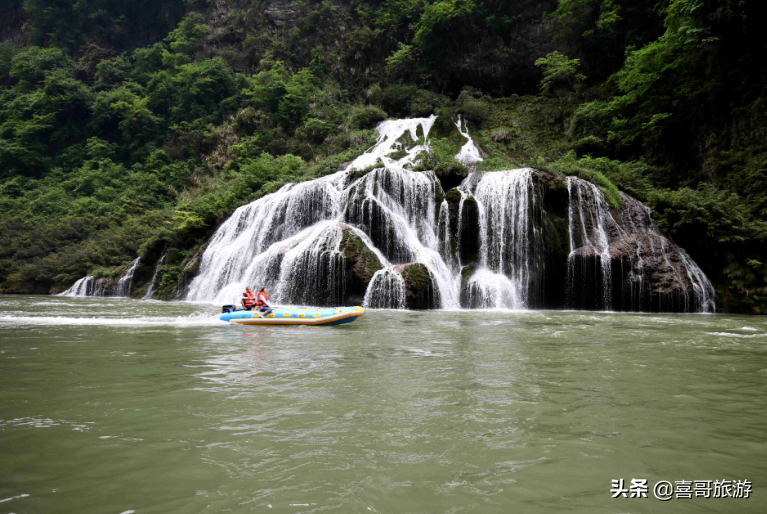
point(248, 299)
point(263, 302)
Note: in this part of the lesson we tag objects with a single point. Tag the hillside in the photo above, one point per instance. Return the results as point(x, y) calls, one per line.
point(137, 128)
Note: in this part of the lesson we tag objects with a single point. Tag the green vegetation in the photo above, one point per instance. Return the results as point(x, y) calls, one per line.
point(136, 127)
point(558, 68)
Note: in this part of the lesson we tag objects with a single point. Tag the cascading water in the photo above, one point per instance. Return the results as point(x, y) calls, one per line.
point(385, 240)
point(629, 265)
point(589, 216)
point(125, 283)
point(80, 288)
point(507, 261)
point(443, 233)
point(488, 290)
point(704, 291)
point(249, 246)
point(392, 207)
point(153, 283)
point(390, 140)
point(469, 153)
point(386, 291)
point(396, 208)
point(313, 271)
point(100, 287)
point(88, 286)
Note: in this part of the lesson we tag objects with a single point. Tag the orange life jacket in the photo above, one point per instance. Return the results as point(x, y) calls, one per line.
point(262, 299)
point(248, 299)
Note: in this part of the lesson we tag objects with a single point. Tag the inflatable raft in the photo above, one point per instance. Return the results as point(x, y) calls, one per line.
point(295, 316)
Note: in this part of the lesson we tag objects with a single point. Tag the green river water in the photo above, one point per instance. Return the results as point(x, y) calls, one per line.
point(114, 406)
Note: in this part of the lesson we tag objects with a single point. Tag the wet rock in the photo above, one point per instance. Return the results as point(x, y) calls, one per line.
point(344, 165)
point(452, 176)
point(420, 291)
point(466, 274)
point(360, 265)
point(469, 239)
point(651, 274)
point(190, 271)
point(547, 286)
point(464, 226)
point(622, 261)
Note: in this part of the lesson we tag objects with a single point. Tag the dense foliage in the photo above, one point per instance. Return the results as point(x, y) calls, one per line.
point(136, 127)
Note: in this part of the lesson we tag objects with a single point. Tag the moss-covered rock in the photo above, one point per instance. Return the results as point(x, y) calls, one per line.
point(360, 265)
point(420, 291)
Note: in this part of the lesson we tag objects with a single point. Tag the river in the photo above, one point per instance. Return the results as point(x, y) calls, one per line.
point(114, 406)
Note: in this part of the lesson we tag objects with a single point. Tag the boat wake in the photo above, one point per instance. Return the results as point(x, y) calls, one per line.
point(195, 320)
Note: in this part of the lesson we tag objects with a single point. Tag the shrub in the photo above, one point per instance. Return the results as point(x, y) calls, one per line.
point(474, 110)
point(366, 117)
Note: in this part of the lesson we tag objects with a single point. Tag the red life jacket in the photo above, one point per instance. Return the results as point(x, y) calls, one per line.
point(248, 299)
point(262, 299)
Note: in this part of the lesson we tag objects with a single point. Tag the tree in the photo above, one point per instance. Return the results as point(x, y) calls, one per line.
point(33, 64)
point(558, 68)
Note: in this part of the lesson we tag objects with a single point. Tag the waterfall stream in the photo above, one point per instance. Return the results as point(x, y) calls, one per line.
point(469, 153)
point(386, 291)
point(153, 283)
point(507, 233)
point(125, 283)
point(82, 287)
point(589, 215)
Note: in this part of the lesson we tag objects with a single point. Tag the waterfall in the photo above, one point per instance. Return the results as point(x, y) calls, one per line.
point(652, 273)
point(393, 208)
point(507, 206)
point(240, 246)
point(312, 273)
point(386, 290)
point(469, 153)
point(462, 189)
point(153, 283)
point(443, 234)
point(396, 208)
point(80, 288)
point(88, 286)
point(99, 288)
point(589, 215)
point(125, 283)
point(704, 291)
point(343, 236)
point(488, 290)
